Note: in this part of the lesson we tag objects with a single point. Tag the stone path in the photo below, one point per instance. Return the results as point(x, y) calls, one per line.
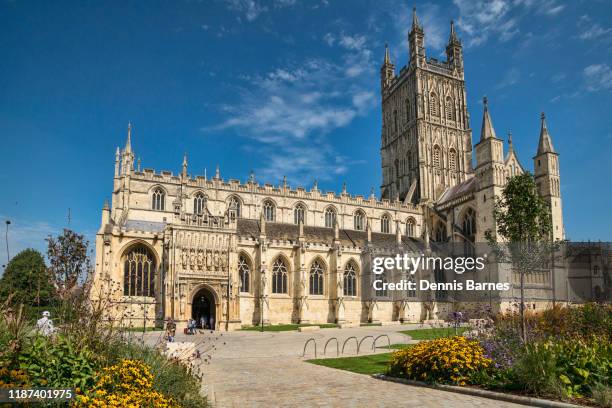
point(265, 369)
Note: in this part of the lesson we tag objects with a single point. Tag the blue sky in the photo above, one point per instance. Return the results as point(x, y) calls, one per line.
point(283, 87)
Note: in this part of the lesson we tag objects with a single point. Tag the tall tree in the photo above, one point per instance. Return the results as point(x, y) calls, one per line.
point(524, 223)
point(27, 278)
point(68, 260)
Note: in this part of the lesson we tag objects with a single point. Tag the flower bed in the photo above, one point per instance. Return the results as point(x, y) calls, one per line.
point(447, 360)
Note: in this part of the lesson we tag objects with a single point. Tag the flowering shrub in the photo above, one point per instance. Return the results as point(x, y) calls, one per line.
point(444, 360)
point(11, 378)
point(126, 384)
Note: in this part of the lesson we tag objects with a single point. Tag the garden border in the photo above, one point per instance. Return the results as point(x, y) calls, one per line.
point(518, 399)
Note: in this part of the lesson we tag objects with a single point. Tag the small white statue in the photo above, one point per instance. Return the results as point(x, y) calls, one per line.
point(45, 324)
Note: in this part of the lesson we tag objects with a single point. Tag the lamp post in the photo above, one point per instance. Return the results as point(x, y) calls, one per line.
point(8, 256)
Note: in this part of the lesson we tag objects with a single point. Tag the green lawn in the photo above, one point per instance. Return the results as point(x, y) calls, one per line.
point(370, 324)
point(436, 333)
point(371, 364)
point(288, 327)
point(397, 346)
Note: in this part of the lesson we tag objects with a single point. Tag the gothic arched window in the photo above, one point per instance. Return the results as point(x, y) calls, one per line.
point(410, 227)
point(469, 223)
point(385, 226)
point(158, 199)
point(382, 292)
point(436, 156)
point(452, 160)
point(199, 203)
point(359, 219)
point(299, 214)
point(235, 206)
point(433, 104)
point(411, 293)
point(244, 272)
point(330, 217)
point(139, 272)
point(269, 210)
point(316, 278)
point(449, 108)
point(350, 280)
point(440, 232)
point(279, 276)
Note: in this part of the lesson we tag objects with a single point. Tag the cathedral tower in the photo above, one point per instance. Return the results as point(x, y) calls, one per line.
point(426, 140)
point(490, 173)
point(547, 178)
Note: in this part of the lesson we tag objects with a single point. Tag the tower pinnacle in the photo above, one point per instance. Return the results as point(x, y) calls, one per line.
point(487, 131)
point(545, 145)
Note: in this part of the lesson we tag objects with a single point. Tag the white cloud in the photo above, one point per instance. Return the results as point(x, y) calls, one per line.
point(590, 29)
point(291, 111)
point(252, 9)
point(511, 77)
point(356, 42)
point(598, 77)
point(481, 20)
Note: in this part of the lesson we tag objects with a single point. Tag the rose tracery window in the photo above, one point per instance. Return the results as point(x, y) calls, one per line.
point(139, 273)
point(316, 278)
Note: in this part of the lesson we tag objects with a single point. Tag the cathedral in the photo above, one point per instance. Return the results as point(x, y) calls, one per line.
point(230, 254)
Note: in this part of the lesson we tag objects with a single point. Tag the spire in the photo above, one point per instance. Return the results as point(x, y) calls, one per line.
point(453, 39)
point(545, 145)
point(251, 177)
point(415, 20)
point(387, 57)
point(117, 157)
point(128, 143)
point(185, 164)
point(487, 131)
point(217, 173)
point(285, 182)
point(139, 164)
point(344, 187)
point(372, 195)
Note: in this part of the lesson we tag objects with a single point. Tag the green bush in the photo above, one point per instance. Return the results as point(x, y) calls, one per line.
point(566, 368)
point(55, 362)
point(171, 378)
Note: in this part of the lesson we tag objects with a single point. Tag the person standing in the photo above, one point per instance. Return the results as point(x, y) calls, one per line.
point(212, 323)
point(170, 330)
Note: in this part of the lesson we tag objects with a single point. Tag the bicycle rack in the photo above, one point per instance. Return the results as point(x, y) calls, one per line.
point(378, 337)
point(337, 346)
point(356, 342)
point(361, 341)
point(306, 344)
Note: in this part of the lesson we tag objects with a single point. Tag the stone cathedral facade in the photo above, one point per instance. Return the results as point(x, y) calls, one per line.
point(229, 253)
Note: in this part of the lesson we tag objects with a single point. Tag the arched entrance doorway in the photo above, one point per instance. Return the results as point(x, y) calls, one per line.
point(204, 309)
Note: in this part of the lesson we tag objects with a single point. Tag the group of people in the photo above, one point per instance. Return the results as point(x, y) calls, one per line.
point(192, 325)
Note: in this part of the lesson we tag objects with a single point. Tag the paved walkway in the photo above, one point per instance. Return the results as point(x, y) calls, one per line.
point(252, 369)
